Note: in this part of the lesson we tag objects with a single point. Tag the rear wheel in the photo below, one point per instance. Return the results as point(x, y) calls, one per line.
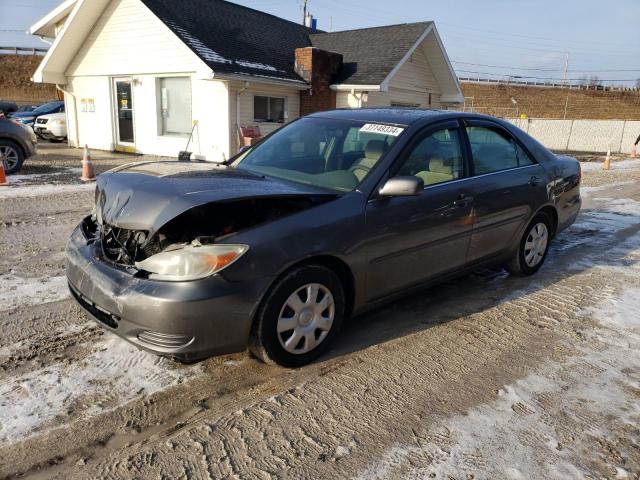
point(533, 247)
point(299, 317)
point(12, 154)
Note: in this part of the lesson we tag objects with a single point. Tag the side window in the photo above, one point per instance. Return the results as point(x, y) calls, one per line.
point(524, 158)
point(492, 149)
point(436, 158)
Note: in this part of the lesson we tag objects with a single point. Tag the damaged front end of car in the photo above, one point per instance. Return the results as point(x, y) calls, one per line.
point(205, 228)
point(148, 262)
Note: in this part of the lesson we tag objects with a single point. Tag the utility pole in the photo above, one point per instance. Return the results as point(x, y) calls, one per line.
point(304, 13)
point(566, 69)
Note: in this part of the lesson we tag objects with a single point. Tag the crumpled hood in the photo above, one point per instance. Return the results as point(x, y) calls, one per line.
point(145, 196)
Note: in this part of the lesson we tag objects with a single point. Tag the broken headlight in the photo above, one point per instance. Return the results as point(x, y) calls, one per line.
point(191, 262)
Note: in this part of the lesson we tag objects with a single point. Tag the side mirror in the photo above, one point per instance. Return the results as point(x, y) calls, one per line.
point(402, 187)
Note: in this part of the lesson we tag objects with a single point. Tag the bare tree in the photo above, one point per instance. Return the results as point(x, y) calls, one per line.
point(638, 83)
point(594, 81)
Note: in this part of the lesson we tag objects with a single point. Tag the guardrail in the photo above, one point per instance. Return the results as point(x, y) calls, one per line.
point(570, 86)
point(23, 51)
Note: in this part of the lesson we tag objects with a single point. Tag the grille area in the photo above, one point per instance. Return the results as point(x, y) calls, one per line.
point(42, 121)
point(164, 340)
point(102, 315)
point(125, 247)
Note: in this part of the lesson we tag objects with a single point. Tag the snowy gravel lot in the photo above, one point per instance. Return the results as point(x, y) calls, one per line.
point(487, 376)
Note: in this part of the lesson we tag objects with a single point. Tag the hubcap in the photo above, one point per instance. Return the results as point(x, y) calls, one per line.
point(536, 244)
point(306, 318)
point(10, 157)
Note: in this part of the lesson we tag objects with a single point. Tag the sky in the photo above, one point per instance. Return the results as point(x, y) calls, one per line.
point(530, 39)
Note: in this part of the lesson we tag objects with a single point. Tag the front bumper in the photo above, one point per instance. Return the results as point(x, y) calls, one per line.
point(185, 320)
point(50, 131)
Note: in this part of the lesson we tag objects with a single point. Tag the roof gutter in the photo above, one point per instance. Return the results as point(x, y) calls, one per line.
point(344, 87)
point(76, 126)
point(297, 84)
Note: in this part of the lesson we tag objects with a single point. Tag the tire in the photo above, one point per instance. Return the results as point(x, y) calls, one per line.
point(13, 156)
point(57, 139)
point(532, 249)
point(290, 347)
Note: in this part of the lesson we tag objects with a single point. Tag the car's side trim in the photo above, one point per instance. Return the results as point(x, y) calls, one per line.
point(480, 176)
point(421, 246)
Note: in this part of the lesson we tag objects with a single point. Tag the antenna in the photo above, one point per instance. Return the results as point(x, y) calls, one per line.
point(304, 13)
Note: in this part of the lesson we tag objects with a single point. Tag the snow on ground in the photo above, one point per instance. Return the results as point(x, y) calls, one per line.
point(113, 375)
point(45, 177)
point(19, 292)
point(519, 432)
point(41, 190)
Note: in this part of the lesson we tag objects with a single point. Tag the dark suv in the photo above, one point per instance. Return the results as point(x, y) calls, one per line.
point(17, 143)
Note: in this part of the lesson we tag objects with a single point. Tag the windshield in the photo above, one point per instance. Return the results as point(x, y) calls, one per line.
point(329, 153)
point(47, 107)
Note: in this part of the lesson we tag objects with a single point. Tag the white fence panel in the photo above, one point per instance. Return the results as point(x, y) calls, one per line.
point(630, 135)
point(582, 135)
point(596, 135)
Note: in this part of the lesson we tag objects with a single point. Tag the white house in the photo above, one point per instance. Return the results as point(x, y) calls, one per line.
point(138, 74)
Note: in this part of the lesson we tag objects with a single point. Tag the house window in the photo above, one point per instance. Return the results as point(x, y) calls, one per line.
point(269, 109)
point(174, 95)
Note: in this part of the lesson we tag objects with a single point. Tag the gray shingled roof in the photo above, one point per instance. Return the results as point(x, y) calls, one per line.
point(231, 38)
point(369, 54)
point(234, 39)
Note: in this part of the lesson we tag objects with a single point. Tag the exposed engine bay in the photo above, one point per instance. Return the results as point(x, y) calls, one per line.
point(204, 224)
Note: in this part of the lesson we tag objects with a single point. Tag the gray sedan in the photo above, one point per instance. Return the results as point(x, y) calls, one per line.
point(17, 143)
point(327, 217)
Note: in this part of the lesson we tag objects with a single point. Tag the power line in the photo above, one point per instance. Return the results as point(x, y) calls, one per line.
point(541, 69)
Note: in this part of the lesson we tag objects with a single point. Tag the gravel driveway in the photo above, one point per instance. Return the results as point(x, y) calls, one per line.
point(487, 376)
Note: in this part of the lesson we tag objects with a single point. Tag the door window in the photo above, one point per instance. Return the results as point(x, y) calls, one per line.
point(436, 158)
point(125, 111)
point(494, 150)
point(524, 158)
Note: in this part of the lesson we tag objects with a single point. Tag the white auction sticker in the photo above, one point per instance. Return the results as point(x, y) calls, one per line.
point(382, 129)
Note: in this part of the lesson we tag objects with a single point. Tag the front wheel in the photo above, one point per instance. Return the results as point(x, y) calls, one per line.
point(12, 155)
point(299, 317)
point(533, 247)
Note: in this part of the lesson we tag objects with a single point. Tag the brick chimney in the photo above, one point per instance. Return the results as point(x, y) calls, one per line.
point(318, 68)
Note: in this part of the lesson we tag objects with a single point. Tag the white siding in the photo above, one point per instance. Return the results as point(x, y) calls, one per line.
point(292, 104)
point(209, 107)
point(411, 84)
point(129, 39)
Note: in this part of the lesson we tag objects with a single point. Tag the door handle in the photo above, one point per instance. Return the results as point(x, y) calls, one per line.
point(463, 200)
point(534, 181)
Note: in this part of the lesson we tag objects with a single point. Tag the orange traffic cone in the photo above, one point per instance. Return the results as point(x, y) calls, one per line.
point(88, 174)
point(3, 177)
point(607, 161)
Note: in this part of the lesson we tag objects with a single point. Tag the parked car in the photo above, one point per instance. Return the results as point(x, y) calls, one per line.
point(29, 118)
point(51, 127)
point(17, 143)
point(329, 216)
point(7, 108)
point(27, 108)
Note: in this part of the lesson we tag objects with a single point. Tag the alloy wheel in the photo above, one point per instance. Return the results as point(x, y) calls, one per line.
point(10, 157)
point(306, 318)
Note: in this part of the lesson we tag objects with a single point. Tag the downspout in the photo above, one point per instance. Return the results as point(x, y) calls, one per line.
point(240, 92)
point(75, 114)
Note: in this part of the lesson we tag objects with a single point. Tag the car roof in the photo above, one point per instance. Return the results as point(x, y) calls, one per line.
point(395, 115)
